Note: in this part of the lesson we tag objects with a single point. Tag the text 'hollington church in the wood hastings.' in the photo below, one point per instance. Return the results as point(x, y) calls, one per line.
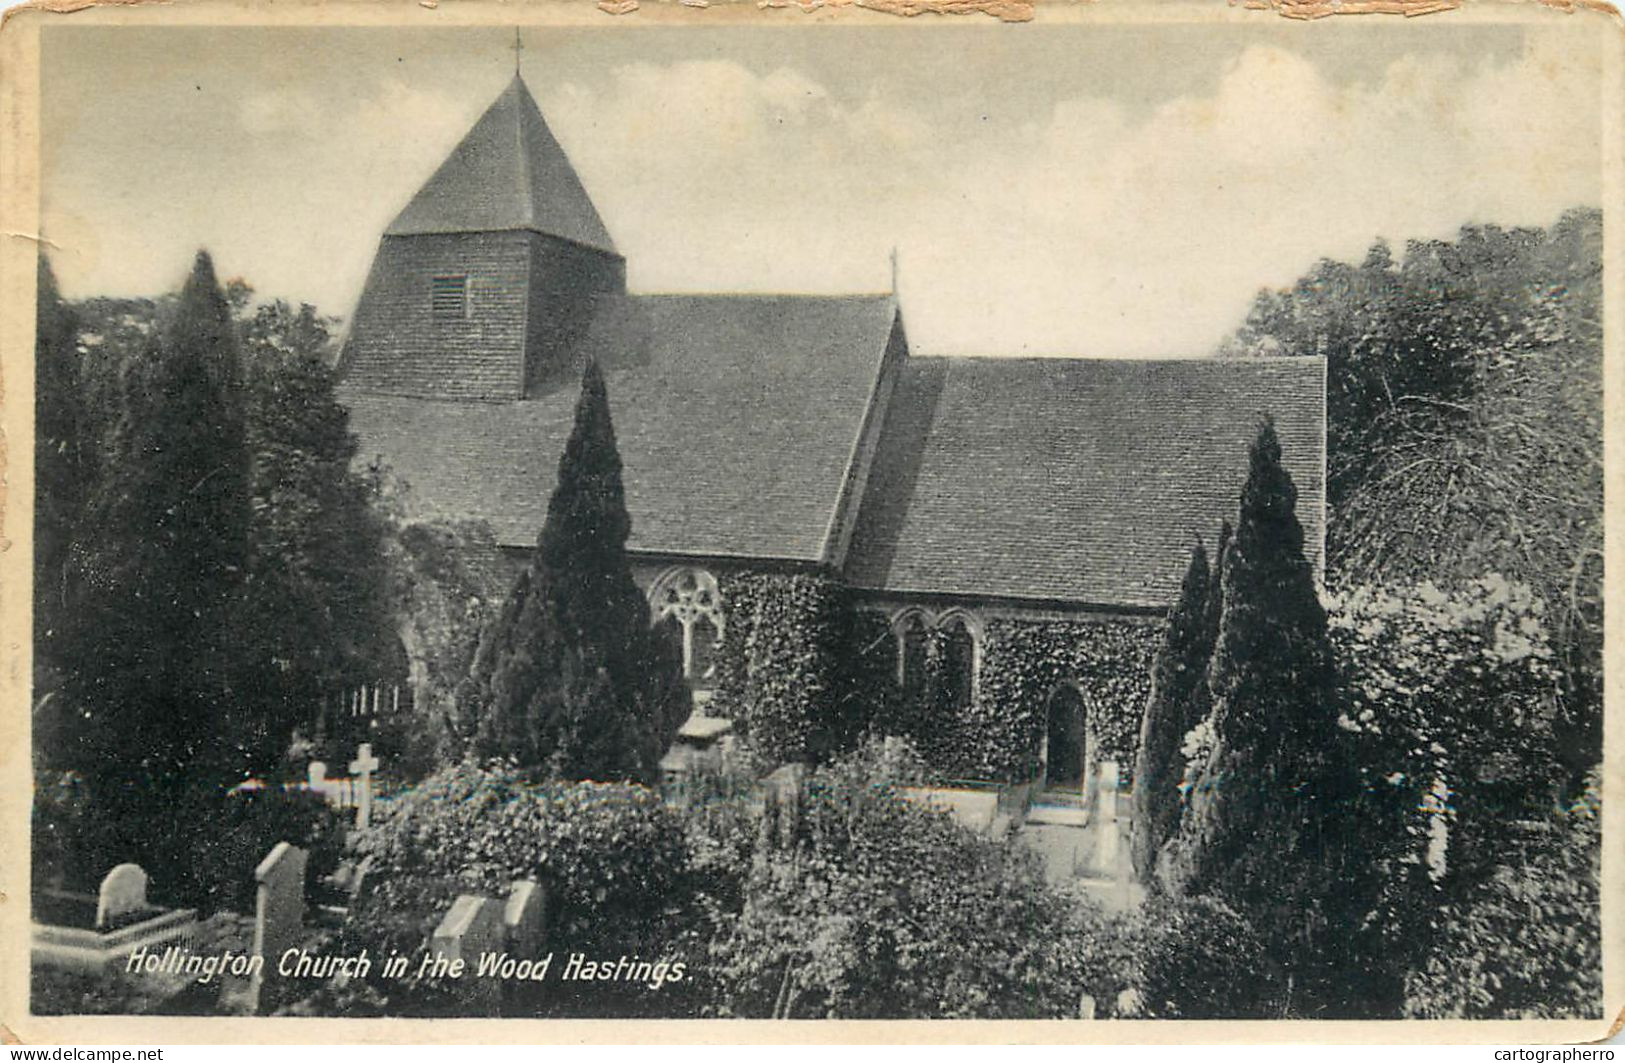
point(985, 505)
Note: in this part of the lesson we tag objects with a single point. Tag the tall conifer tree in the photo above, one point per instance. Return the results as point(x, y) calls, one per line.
point(1177, 703)
point(1271, 824)
point(165, 561)
point(571, 679)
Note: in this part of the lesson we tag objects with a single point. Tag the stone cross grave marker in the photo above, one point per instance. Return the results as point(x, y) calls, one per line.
point(362, 767)
point(279, 902)
point(124, 890)
point(522, 919)
point(473, 925)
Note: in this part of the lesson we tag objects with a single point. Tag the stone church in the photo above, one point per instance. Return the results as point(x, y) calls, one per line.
point(1039, 508)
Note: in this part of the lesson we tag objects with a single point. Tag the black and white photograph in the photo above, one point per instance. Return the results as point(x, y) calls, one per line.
point(1091, 514)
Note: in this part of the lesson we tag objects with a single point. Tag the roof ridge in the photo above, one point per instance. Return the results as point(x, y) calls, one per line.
point(876, 296)
point(526, 200)
point(1039, 359)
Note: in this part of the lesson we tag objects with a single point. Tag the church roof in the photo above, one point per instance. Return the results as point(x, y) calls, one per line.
point(507, 173)
point(736, 429)
point(1073, 480)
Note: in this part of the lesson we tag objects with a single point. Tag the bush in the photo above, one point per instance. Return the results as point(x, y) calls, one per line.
point(880, 907)
point(1196, 958)
point(245, 828)
point(1526, 942)
point(612, 858)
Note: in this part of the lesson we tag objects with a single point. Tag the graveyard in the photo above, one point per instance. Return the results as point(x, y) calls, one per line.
point(301, 754)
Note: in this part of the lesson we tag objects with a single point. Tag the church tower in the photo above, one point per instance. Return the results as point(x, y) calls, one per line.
point(484, 286)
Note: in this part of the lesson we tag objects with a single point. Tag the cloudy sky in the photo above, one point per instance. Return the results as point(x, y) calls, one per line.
point(1093, 190)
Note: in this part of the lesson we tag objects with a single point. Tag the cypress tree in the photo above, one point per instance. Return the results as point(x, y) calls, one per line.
point(164, 564)
point(1270, 820)
point(1177, 703)
point(572, 680)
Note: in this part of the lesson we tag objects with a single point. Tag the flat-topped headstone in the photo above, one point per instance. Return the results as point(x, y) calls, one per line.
point(522, 917)
point(279, 902)
point(124, 890)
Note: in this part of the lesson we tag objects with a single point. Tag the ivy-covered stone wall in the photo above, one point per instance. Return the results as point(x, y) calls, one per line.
point(806, 668)
point(792, 672)
point(1107, 660)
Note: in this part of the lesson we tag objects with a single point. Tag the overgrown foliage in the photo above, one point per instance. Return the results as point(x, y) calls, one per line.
point(1453, 697)
point(571, 680)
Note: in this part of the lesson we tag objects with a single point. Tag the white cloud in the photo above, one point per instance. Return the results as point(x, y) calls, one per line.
point(1088, 227)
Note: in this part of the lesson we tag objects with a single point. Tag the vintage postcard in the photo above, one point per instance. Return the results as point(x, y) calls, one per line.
point(1081, 522)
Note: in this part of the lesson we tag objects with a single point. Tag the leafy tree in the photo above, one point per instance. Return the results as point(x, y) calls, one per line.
point(1178, 702)
point(164, 562)
point(319, 591)
point(1464, 424)
point(571, 679)
point(1271, 828)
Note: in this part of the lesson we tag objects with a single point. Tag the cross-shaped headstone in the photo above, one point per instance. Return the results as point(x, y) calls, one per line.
point(362, 767)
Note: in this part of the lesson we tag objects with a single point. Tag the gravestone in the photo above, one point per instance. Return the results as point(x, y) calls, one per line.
point(279, 902)
point(316, 778)
point(124, 890)
point(473, 925)
point(522, 919)
point(362, 767)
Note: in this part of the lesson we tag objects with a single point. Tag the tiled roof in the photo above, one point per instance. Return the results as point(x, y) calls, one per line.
point(1075, 480)
point(507, 173)
point(736, 430)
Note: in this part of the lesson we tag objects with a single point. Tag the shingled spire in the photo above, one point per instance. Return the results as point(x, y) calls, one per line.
point(508, 173)
point(484, 286)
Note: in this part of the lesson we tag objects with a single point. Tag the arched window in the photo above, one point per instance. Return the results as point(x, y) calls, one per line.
point(958, 661)
point(911, 653)
point(688, 599)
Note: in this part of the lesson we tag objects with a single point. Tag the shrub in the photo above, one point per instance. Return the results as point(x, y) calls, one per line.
point(882, 907)
point(1197, 958)
point(612, 858)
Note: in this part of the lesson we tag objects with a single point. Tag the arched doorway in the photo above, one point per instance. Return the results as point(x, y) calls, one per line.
point(1065, 744)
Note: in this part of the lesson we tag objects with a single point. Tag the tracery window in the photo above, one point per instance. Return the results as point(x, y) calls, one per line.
point(688, 598)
